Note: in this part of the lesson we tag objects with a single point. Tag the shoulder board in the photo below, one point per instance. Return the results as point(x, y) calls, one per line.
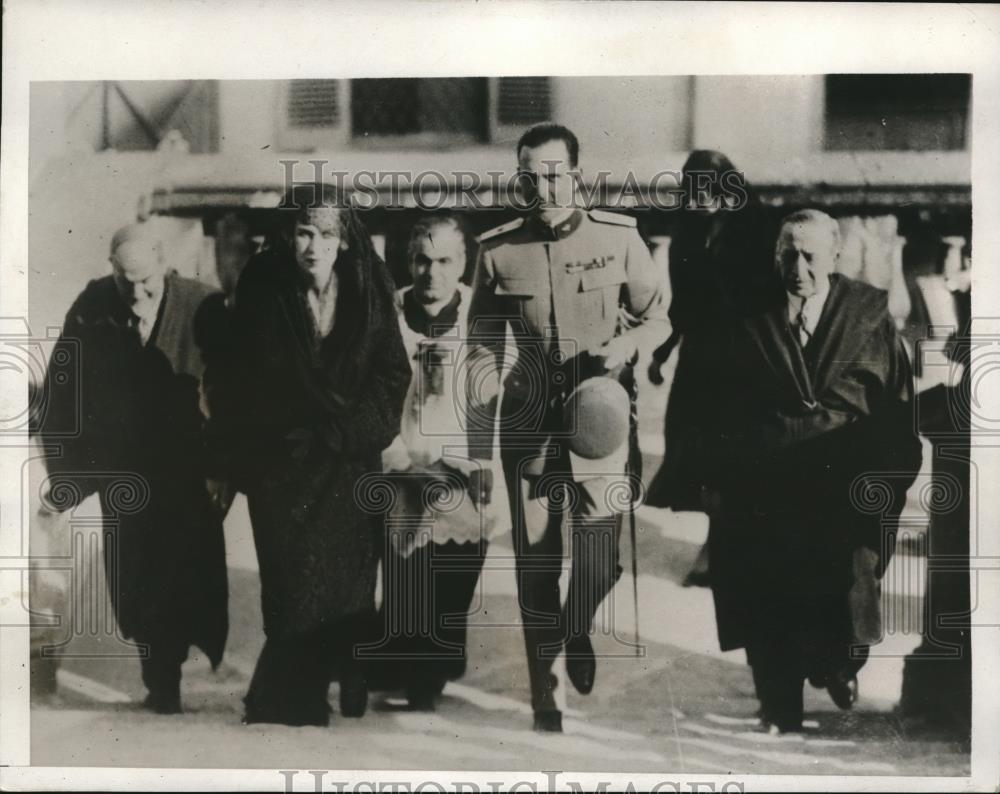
point(611, 217)
point(502, 229)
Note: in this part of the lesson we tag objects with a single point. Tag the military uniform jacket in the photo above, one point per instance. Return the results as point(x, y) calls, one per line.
point(562, 291)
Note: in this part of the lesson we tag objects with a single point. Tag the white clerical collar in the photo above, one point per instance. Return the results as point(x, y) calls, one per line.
point(432, 310)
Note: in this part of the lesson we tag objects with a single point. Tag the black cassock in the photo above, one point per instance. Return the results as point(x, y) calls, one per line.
point(140, 447)
point(816, 452)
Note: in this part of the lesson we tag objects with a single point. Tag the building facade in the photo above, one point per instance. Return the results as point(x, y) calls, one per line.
point(209, 155)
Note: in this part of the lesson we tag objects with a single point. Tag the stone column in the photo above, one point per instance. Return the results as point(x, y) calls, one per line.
point(937, 676)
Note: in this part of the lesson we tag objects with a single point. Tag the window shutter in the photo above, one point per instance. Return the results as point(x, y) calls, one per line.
point(523, 101)
point(897, 112)
point(313, 103)
point(313, 114)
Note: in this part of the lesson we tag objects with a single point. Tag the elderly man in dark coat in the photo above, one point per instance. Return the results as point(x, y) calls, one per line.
point(138, 366)
point(819, 422)
point(315, 394)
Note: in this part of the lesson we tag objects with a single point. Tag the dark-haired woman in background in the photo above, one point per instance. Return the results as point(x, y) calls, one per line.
point(721, 266)
point(316, 392)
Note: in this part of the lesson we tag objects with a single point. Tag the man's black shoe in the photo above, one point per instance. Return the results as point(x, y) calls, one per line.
point(421, 698)
point(548, 721)
point(581, 666)
point(163, 702)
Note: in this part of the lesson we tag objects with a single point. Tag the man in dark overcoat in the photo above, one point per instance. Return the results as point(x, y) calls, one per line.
point(809, 472)
point(137, 368)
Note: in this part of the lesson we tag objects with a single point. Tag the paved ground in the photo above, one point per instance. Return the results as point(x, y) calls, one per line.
point(682, 706)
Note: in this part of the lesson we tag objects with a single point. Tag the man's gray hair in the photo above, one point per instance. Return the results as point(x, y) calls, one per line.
point(144, 232)
point(800, 217)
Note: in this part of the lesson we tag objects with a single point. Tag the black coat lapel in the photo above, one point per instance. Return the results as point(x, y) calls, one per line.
point(848, 320)
point(773, 337)
point(298, 321)
point(312, 368)
point(164, 328)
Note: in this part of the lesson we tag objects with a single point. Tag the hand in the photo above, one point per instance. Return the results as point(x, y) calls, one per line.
point(655, 372)
point(481, 487)
point(616, 352)
point(660, 356)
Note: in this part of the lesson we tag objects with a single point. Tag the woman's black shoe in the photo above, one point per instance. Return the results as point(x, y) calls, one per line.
point(163, 702)
point(420, 699)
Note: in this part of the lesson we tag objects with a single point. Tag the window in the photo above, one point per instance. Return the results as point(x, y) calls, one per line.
point(313, 117)
point(433, 111)
point(143, 115)
point(905, 112)
point(313, 103)
point(407, 113)
point(517, 103)
point(523, 101)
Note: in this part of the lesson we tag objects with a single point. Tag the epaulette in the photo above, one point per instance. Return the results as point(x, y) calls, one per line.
point(611, 217)
point(501, 229)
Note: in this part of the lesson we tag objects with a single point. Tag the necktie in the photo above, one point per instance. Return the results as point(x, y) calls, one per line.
point(800, 326)
point(143, 325)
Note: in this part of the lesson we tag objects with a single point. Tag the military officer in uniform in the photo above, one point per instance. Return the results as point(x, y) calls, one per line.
point(578, 289)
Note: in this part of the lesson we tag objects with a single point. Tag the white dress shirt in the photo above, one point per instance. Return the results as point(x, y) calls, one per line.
point(809, 310)
point(145, 322)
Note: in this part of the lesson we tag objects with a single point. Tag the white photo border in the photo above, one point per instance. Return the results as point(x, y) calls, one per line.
point(238, 39)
